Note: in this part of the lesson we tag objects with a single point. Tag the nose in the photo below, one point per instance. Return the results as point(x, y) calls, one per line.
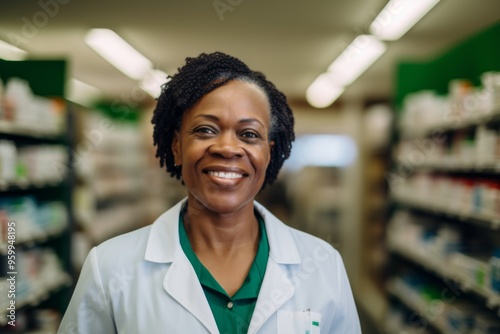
point(226, 145)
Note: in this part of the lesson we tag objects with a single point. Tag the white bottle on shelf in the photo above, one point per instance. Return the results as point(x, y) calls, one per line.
point(491, 83)
point(18, 98)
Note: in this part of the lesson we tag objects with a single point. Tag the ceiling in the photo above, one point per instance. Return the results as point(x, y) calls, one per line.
point(292, 41)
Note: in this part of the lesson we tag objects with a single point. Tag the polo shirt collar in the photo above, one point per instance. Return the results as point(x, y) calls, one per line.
point(251, 286)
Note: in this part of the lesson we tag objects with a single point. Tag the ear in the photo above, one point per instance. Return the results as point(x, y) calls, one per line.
point(176, 148)
point(271, 145)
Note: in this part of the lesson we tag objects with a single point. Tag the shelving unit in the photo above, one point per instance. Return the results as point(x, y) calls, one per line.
point(119, 184)
point(109, 178)
point(445, 182)
point(400, 290)
point(374, 157)
point(35, 190)
point(448, 273)
point(434, 207)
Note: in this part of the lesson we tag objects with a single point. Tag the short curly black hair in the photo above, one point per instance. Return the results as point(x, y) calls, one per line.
point(201, 75)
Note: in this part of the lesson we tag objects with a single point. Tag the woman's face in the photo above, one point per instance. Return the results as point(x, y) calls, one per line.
point(223, 147)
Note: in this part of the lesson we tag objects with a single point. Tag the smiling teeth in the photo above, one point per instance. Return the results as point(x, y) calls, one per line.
point(225, 175)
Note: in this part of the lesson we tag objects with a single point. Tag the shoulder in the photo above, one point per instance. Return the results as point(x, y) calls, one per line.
point(319, 259)
point(310, 245)
point(127, 241)
point(289, 245)
point(123, 250)
point(157, 242)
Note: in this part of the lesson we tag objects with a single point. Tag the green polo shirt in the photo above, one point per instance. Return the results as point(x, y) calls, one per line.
point(232, 314)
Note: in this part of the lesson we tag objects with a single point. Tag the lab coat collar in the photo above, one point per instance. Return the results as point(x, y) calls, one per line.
point(163, 242)
point(282, 248)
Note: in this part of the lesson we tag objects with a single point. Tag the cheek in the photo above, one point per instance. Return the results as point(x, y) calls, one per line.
point(191, 153)
point(262, 159)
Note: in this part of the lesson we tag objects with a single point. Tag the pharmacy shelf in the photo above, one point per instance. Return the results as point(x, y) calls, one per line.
point(30, 185)
point(12, 129)
point(36, 238)
point(460, 166)
point(427, 128)
point(433, 206)
point(466, 121)
point(44, 289)
point(435, 265)
point(399, 289)
point(52, 285)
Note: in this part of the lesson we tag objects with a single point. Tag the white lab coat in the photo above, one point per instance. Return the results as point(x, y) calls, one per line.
point(142, 282)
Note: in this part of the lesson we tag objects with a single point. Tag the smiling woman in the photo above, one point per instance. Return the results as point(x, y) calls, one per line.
point(217, 262)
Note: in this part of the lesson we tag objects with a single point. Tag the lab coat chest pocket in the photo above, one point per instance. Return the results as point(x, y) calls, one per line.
point(299, 322)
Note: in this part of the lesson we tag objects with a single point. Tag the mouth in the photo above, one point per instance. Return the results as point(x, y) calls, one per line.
point(225, 175)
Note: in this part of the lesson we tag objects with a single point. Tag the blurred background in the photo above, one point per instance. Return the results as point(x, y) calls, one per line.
point(396, 162)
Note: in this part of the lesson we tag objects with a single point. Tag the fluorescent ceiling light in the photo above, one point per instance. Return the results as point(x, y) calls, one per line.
point(398, 16)
point(11, 52)
point(323, 92)
point(355, 59)
point(153, 82)
point(119, 53)
point(322, 150)
point(82, 93)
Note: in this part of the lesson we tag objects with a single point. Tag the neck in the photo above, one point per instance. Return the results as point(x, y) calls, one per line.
point(222, 234)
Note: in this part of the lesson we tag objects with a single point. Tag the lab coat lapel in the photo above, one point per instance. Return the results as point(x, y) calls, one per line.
point(275, 291)
point(182, 284)
point(277, 287)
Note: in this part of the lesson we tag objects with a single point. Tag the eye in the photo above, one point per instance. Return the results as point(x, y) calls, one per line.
point(205, 130)
point(250, 135)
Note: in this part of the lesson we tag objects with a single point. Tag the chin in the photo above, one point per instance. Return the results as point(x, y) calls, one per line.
point(221, 204)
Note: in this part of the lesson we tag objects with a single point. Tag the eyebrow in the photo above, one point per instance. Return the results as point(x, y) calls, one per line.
point(241, 121)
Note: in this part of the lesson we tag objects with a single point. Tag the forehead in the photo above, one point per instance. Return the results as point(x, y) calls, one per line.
point(236, 97)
